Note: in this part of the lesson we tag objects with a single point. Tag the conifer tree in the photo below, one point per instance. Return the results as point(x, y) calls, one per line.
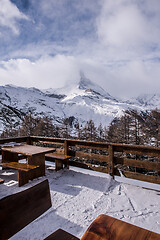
point(89, 131)
point(65, 128)
point(100, 133)
point(28, 125)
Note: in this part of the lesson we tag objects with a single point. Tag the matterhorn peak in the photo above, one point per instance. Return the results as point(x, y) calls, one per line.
point(89, 86)
point(82, 87)
point(85, 83)
point(81, 73)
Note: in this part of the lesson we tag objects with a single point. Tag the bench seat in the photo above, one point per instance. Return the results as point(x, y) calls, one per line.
point(20, 209)
point(61, 235)
point(25, 171)
point(60, 159)
point(18, 166)
point(108, 228)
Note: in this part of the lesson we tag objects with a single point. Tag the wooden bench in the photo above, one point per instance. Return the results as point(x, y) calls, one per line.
point(105, 227)
point(60, 159)
point(61, 235)
point(20, 209)
point(25, 171)
point(108, 228)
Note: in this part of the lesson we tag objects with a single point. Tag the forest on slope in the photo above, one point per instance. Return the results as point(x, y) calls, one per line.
point(133, 127)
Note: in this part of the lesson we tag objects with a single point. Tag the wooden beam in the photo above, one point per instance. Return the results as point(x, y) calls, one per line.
point(52, 143)
point(137, 163)
point(111, 160)
point(16, 139)
point(138, 150)
point(142, 177)
point(89, 156)
point(48, 139)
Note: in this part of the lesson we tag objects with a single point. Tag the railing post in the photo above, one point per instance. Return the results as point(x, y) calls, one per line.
point(66, 147)
point(111, 160)
point(66, 152)
point(29, 141)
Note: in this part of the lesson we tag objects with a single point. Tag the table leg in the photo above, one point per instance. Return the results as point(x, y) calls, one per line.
point(38, 160)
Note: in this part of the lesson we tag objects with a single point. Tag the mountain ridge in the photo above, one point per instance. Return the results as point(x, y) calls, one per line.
point(83, 101)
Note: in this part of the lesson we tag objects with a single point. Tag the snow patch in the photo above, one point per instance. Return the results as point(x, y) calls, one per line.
point(80, 195)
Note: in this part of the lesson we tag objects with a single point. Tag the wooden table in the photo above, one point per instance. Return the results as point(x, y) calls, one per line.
point(35, 155)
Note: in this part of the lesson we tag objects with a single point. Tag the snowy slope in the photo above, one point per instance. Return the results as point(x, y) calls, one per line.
point(83, 100)
point(148, 100)
point(87, 100)
point(79, 196)
point(22, 100)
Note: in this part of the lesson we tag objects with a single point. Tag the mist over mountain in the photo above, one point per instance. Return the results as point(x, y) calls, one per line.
point(82, 101)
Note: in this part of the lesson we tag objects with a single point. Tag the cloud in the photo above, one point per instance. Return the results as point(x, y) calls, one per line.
point(123, 80)
point(69, 8)
point(115, 43)
point(9, 14)
point(69, 20)
point(129, 26)
point(134, 78)
point(126, 79)
point(44, 73)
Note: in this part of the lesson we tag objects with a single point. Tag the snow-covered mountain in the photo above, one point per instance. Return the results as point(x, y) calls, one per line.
point(82, 101)
point(148, 100)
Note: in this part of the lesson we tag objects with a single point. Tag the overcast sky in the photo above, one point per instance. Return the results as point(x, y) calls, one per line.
point(116, 43)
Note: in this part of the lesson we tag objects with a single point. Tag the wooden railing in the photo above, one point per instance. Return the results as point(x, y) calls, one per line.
point(133, 161)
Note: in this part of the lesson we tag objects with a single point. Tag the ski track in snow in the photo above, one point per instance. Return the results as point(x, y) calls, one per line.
point(79, 196)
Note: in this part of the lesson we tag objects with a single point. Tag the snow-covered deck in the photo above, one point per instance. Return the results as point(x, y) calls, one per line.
point(79, 196)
